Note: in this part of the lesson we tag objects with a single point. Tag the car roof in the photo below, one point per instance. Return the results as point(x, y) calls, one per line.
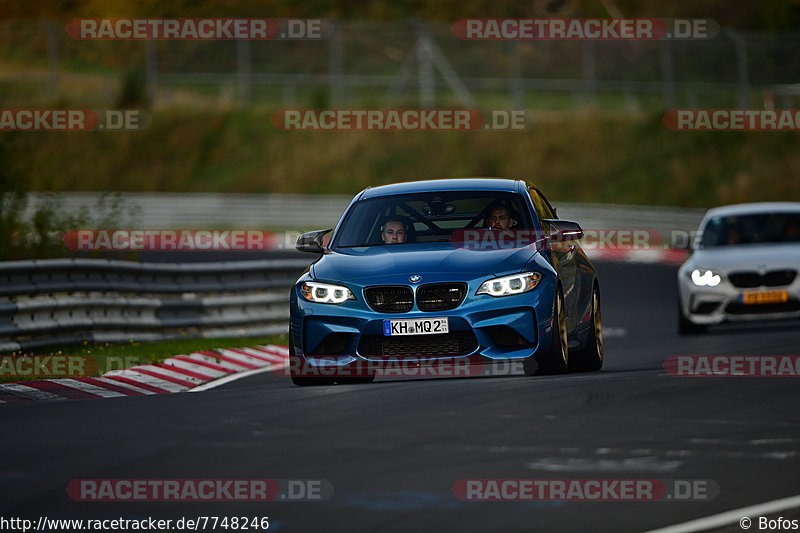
point(753, 208)
point(441, 185)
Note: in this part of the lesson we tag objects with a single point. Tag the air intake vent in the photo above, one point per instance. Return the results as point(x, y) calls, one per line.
point(448, 344)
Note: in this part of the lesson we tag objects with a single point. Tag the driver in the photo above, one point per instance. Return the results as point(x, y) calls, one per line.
point(394, 231)
point(791, 230)
point(499, 216)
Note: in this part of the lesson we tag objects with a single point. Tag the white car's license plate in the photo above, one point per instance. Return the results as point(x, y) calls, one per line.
point(764, 297)
point(420, 326)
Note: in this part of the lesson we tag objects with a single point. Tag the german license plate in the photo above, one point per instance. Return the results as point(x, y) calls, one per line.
point(764, 297)
point(421, 326)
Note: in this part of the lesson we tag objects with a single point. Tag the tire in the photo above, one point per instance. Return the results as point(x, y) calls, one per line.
point(555, 359)
point(296, 365)
point(590, 357)
point(686, 326)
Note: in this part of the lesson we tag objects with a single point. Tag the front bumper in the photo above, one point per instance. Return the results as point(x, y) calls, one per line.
point(482, 327)
point(724, 303)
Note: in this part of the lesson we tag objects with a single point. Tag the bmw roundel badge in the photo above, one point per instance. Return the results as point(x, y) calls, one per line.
point(416, 278)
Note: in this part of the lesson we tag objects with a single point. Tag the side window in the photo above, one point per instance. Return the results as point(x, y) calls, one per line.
point(543, 209)
point(549, 209)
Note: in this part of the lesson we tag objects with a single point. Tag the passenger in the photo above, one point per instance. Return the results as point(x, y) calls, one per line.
point(394, 231)
point(499, 216)
point(734, 235)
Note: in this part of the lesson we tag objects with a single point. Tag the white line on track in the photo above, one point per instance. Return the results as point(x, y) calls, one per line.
point(123, 385)
point(234, 377)
point(88, 387)
point(731, 517)
point(32, 393)
point(132, 374)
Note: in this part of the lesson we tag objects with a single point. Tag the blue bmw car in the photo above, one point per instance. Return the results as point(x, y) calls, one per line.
point(441, 271)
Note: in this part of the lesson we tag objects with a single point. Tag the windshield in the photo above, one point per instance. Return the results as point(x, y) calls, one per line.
point(429, 217)
point(752, 229)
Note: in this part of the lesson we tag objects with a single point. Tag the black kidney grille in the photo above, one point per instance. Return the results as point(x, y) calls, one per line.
point(745, 279)
point(776, 278)
point(440, 296)
point(447, 344)
point(773, 278)
point(390, 298)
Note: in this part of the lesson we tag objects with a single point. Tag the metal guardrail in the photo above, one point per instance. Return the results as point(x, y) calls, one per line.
point(300, 211)
point(65, 301)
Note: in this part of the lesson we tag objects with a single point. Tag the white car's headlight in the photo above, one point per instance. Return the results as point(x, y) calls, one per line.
point(325, 293)
point(705, 278)
point(508, 285)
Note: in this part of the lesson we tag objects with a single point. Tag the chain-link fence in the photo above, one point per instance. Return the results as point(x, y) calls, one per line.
point(410, 63)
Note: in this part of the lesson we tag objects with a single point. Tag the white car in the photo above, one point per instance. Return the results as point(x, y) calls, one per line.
point(744, 266)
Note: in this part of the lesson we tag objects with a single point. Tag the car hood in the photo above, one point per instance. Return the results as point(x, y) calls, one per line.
point(432, 261)
point(747, 257)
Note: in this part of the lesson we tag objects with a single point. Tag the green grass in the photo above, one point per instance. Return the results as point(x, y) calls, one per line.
point(589, 156)
point(124, 355)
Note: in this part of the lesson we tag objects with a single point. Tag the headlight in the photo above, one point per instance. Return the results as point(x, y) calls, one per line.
point(705, 278)
point(507, 285)
point(325, 293)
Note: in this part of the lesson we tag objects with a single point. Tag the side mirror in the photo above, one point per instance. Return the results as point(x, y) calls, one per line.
point(312, 241)
point(564, 229)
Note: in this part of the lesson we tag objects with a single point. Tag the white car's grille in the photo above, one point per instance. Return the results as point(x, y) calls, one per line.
point(773, 278)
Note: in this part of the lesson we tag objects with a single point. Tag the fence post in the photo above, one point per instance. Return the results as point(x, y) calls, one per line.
point(335, 68)
point(425, 61)
point(289, 94)
point(668, 74)
point(514, 74)
point(740, 43)
point(244, 76)
point(52, 58)
point(589, 68)
point(151, 71)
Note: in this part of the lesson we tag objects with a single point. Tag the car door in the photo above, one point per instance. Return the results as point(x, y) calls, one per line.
point(563, 257)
